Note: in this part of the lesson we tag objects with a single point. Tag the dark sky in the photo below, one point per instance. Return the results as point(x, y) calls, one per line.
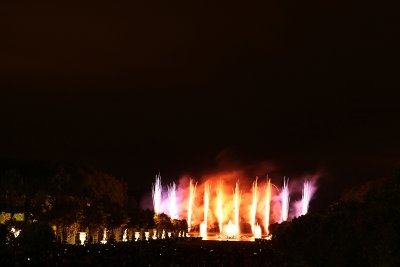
point(137, 87)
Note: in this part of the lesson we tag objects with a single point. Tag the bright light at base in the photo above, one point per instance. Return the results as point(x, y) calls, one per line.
point(230, 230)
point(104, 240)
point(15, 232)
point(257, 231)
point(203, 230)
point(82, 237)
point(137, 235)
point(125, 236)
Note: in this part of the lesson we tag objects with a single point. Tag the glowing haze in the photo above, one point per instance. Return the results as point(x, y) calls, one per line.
point(226, 203)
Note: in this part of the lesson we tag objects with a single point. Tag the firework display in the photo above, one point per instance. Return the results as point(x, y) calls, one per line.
point(228, 208)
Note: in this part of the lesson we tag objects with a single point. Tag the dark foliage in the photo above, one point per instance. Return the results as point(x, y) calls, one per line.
point(4, 233)
point(363, 231)
point(37, 236)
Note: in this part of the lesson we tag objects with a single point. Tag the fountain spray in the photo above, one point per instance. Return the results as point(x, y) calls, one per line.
point(219, 205)
point(267, 204)
point(192, 193)
point(285, 199)
point(254, 205)
point(306, 197)
point(172, 205)
point(156, 194)
point(237, 205)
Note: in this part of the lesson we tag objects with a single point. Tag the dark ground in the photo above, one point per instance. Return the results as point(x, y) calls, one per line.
point(154, 253)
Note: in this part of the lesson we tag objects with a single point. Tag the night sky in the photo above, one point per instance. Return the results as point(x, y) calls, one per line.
point(188, 87)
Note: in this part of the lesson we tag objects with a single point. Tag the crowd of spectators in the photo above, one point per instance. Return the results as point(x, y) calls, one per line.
point(194, 253)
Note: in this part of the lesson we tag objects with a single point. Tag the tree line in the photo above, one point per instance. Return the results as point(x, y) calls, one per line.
point(73, 199)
